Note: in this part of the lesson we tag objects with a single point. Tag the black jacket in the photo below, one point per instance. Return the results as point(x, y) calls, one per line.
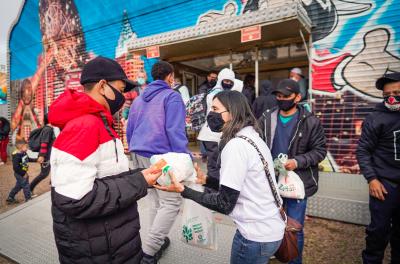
point(265, 101)
point(4, 128)
point(20, 161)
point(378, 151)
point(307, 146)
point(47, 138)
point(204, 88)
point(103, 226)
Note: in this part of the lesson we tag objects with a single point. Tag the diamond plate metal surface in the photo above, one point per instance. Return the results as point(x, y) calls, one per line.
point(27, 235)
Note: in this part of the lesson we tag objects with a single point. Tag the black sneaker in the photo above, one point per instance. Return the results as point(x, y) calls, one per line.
point(11, 201)
point(164, 246)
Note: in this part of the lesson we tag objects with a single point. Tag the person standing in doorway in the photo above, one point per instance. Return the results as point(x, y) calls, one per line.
point(248, 89)
point(4, 139)
point(182, 90)
point(378, 154)
point(290, 129)
point(159, 114)
point(209, 83)
point(46, 142)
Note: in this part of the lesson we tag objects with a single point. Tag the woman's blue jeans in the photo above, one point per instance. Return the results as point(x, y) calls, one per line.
point(250, 252)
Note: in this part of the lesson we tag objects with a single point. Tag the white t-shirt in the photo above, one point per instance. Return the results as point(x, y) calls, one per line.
point(255, 214)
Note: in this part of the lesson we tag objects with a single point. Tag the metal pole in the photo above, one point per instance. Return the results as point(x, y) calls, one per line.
point(310, 52)
point(256, 72)
point(230, 60)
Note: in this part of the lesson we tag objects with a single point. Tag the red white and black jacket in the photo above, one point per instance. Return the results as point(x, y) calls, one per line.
point(94, 193)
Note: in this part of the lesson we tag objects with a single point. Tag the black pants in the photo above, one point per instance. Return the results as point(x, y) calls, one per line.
point(212, 159)
point(44, 172)
point(384, 227)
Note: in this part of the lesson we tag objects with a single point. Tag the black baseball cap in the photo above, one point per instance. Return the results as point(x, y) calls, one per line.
point(287, 87)
point(387, 78)
point(101, 68)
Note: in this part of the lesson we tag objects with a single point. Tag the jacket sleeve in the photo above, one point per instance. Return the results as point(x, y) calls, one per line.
point(130, 125)
point(317, 147)
point(366, 145)
point(45, 139)
point(223, 202)
point(108, 195)
point(175, 127)
point(16, 160)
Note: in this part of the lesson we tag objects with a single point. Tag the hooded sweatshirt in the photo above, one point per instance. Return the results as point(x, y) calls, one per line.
point(225, 74)
point(378, 151)
point(265, 101)
point(156, 123)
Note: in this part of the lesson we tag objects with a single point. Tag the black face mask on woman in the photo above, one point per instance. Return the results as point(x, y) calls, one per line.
point(286, 105)
point(215, 121)
point(117, 103)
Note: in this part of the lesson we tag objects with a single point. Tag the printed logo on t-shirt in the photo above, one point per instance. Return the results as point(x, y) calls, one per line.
point(396, 145)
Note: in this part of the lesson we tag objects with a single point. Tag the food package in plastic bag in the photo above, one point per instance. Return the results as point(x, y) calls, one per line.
point(180, 164)
point(198, 226)
point(291, 186)
point(289, 183)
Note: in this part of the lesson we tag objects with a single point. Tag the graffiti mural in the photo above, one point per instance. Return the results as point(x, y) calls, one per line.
point(346, 64)
point(354, 42)
point(3, 88)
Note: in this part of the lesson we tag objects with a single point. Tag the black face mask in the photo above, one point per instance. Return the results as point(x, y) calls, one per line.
point(215, 121)
point(117, 103)
point(212, 83)
point(227, 86)
point(286, 105)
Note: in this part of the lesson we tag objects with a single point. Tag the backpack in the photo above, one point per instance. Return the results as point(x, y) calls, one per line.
point(34, 139)
point(196, 112)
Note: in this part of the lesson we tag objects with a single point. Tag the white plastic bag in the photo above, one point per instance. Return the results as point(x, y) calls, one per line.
point(289, 184)
point(198, 226)
point(180, 164)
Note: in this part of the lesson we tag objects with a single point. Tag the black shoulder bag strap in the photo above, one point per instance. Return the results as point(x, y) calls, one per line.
point(104, 119)
point(278, 201)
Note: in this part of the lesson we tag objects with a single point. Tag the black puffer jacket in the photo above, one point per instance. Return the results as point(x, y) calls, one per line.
point(103, 226)
point(307, 146)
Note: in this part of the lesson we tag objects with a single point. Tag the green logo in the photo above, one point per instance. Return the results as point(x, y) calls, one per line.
point(187, 233)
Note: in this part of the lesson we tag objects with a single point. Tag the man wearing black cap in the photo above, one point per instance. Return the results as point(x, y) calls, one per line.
point(290, 129)
point(94, 194)
point(378, 155)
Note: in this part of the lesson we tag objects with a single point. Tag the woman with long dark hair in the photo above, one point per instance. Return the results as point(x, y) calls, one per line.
point(244, 192)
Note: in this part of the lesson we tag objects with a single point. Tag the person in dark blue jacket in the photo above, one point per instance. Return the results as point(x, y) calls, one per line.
point(378, 155)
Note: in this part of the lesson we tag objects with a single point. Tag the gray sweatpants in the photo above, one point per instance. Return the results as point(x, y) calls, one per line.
point(164, 208)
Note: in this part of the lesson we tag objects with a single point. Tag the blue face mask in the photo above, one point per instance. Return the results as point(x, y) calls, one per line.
point(141, 81)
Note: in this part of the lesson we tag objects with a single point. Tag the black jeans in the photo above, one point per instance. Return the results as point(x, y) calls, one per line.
point(22, 183)
point(212, 159)
point(384, 227)
point(44, 172)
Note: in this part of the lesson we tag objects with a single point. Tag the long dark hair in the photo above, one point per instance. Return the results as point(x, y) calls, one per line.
point(237, 105)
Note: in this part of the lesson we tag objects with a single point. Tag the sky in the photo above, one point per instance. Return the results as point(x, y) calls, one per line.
point(8, 14)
